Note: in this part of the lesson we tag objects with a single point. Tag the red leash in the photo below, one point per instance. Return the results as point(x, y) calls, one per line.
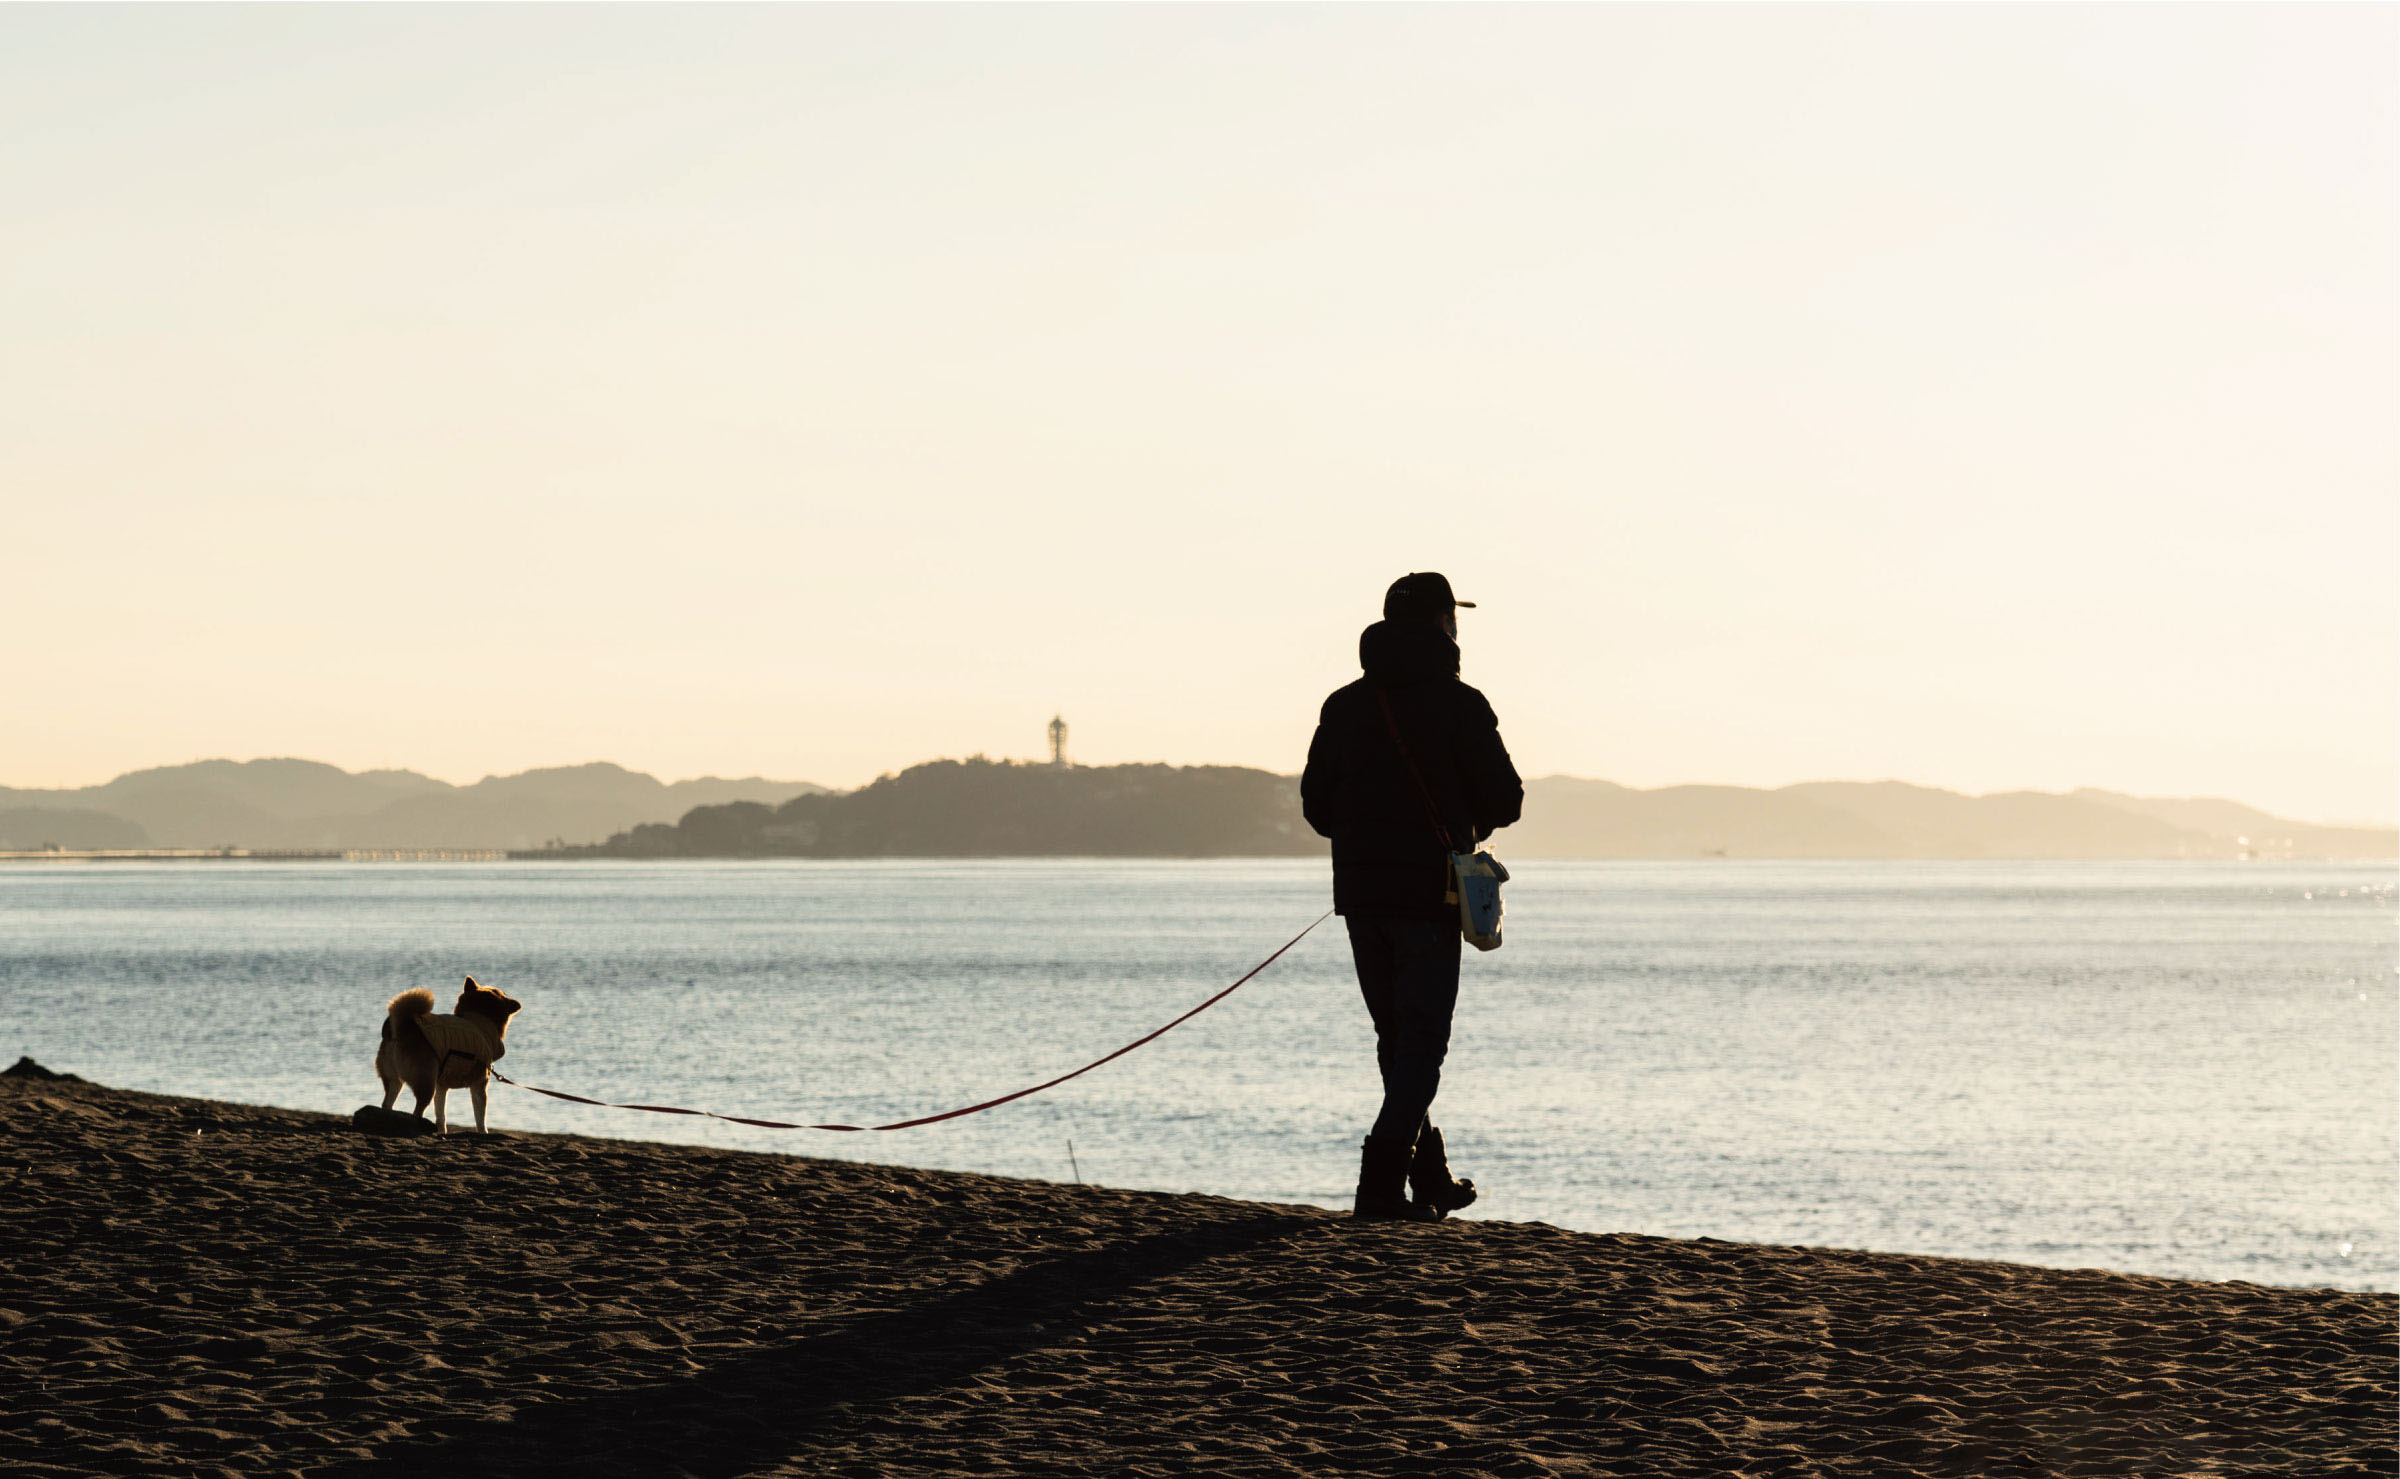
point(948, 1114)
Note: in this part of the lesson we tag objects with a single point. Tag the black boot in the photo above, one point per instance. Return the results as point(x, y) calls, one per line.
point(1382, 1168)
point(1429, 1183)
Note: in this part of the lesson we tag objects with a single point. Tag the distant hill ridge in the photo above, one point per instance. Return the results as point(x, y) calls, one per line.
point(1569, 817)
point(287, 803)
point(987, 808)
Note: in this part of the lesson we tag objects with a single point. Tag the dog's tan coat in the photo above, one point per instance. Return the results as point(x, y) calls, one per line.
point(432, 1054)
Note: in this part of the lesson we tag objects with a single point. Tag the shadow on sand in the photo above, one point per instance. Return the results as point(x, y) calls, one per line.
point(738, 1416)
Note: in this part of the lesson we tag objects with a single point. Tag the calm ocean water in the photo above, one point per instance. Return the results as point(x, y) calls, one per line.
point(2184, 1069)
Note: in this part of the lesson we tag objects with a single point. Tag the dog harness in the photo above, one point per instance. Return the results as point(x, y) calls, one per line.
point(456, 1037)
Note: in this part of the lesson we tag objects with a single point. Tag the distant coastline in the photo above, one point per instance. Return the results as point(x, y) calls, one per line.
point(301, 810)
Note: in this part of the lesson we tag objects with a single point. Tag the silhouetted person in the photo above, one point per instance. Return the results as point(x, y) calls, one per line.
point(1391, 876)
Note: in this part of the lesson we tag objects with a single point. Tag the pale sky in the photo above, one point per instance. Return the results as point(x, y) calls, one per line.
point(1984, 397)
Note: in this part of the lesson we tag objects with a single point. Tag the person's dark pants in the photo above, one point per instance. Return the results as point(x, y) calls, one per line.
point(1408, 972)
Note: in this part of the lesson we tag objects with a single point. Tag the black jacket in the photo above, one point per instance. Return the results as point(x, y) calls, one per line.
point(1357, 791)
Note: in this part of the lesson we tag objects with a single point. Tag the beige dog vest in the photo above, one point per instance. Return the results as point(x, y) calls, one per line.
point(465, 1046)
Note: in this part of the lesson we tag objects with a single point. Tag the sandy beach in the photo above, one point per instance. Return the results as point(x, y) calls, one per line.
point(204, 1288)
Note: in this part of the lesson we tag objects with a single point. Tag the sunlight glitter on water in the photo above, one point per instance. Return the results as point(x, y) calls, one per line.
point(2133, 1066)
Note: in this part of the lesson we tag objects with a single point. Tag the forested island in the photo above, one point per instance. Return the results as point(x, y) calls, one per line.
point(1000, 808)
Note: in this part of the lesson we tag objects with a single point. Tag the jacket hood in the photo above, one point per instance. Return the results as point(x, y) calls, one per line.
point(1400, 652)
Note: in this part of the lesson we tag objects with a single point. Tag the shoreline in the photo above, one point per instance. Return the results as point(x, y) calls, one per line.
point(658, 1132)
point(200, 1285)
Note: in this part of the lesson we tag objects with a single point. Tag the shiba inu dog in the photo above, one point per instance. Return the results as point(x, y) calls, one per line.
point(435, 1054)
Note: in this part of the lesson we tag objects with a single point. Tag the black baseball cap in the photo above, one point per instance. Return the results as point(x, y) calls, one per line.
point(1423, 595)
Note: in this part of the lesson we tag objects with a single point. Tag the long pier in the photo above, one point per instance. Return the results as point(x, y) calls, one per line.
point(252, 855)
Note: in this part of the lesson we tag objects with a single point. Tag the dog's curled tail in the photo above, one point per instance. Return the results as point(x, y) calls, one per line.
point(416, 1003)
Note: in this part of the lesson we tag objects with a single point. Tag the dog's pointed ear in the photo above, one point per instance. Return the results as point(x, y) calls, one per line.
point(471, 986)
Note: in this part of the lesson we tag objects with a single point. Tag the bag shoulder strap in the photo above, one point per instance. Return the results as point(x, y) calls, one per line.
point(1433, 813)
